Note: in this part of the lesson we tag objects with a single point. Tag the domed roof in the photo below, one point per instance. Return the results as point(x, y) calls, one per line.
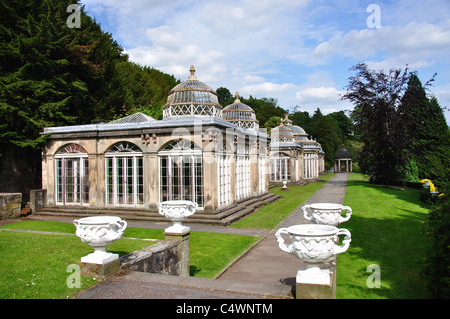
point(298, 132)
point(296, 129)
point(282, 133)
point(240, 114)
point(343, 153)
point(192, 97)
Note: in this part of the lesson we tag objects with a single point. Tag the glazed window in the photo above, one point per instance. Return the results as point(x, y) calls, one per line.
point(280, 168)
point(181, 172)
point(124, 175)
point(72, 175)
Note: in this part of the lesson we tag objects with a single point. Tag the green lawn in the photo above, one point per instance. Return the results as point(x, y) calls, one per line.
point(385, 225)
point(386, 231)
point(35, 265)
point(271, 215)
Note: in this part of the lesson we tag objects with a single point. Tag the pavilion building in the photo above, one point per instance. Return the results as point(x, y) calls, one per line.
point(293, 157)
point(129, 165)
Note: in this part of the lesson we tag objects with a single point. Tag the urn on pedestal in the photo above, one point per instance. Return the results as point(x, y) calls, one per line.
point(177, 211)
point(314, 244)
point(326, 213)
point(99, 232)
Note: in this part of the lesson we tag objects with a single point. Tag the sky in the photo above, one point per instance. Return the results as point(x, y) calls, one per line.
point(298, 51)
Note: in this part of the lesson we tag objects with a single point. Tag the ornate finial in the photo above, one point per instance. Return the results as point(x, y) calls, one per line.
point(237, 98)
point(287, 121)
point(192, 70)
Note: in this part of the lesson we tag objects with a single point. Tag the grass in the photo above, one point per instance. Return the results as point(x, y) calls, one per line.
point(271, 215)
point(34, 265)
point(385, 226)
point(386, 231)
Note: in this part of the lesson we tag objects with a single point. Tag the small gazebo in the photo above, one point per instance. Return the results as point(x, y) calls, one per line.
point(343, 161)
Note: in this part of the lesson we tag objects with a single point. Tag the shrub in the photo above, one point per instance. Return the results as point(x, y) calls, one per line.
point(436, 271)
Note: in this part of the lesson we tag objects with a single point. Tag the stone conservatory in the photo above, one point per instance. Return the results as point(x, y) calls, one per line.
point(200, 151)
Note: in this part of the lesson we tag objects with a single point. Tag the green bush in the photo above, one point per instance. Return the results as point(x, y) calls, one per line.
point(436, 271)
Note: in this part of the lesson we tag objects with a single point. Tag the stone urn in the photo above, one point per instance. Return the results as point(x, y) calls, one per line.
point(99, 232)
point(315, 245)
point(326, 213)
point(177, 211)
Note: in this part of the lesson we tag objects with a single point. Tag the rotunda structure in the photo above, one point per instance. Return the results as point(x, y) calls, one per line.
point(192, 98)
point(343, 161)
point(240, 114)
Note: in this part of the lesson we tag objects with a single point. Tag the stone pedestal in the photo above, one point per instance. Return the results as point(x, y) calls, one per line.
point(311, 290)
point(183, 250)
point(100, 270)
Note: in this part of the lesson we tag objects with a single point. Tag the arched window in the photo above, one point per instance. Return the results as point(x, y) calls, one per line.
point(124, 175)
point(181, 172)
point(280, 167)
point(72, 175)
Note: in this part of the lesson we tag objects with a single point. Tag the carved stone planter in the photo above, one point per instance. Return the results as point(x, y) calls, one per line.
point(314, 245)
point(177, 211)
point(326, 213)
point(99, 232)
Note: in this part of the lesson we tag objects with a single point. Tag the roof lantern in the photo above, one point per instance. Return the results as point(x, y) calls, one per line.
point(240, 114)
point(192, 98)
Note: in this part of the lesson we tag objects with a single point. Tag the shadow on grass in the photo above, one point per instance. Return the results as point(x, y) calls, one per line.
point(394, 241)
point(407, 194)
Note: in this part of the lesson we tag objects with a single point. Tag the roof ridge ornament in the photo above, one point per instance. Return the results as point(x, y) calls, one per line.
point(237, 98)
point(192, 70)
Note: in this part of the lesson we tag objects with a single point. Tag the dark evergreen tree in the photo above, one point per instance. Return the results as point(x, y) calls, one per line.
point(325, 132)
point(54, 75)
point(427, 133)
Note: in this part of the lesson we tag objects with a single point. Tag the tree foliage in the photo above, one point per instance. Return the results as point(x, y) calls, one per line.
point(377, 98)
point(404, 132)
point(427, 133)
point(52, 75)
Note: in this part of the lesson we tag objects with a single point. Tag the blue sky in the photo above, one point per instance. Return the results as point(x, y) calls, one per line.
point(298, 51)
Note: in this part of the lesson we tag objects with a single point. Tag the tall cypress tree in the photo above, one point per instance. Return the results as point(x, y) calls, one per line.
point(427, 132)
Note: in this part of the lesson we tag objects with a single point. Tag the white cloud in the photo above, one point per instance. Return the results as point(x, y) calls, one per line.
point(416, 44)
point(296, 51)
point(321, 95)
point(267, 88)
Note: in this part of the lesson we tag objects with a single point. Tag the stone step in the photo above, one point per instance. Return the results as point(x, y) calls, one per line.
point(222, 217)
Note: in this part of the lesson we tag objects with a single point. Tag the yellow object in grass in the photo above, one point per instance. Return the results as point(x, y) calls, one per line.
point(432, 187)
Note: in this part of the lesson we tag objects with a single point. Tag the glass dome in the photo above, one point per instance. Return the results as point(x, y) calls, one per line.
point(192, 97)
point(240, 114)
point(282, 134)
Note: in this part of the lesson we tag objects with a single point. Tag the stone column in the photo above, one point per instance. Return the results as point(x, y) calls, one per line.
point(151, 180)
point(210, 192)
point(183, 251)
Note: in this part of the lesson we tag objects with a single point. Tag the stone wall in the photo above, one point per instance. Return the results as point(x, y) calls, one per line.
point(168, 257)
point(10, 205)
point(38, 199)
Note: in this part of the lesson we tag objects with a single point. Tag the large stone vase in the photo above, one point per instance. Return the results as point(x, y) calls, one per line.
point(177, 211)
point(315, 245)
point(99, 232)
point(326, 213)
